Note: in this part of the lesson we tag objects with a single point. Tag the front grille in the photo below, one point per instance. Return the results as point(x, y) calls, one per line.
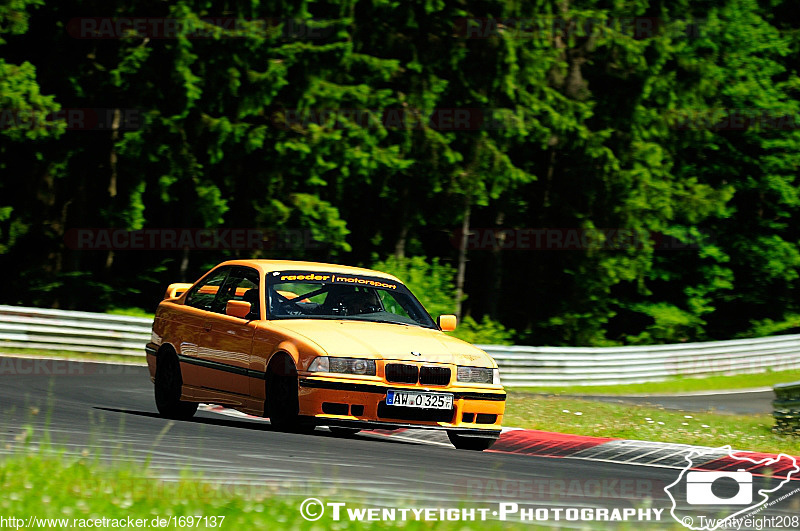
point(434, 375)
point(399, 373)
point(412, 413)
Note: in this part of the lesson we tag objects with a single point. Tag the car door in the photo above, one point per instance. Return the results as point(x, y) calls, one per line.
point(194, 326)
point(228, 340)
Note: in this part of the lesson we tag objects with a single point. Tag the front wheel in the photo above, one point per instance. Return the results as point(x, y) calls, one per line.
point(282, 403)
point(168, 383)
point(470, 443)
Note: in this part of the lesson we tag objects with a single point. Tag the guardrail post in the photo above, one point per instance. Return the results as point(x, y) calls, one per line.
point(786, 407)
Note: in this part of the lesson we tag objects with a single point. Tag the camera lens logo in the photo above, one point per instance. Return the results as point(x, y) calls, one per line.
point(712, 488)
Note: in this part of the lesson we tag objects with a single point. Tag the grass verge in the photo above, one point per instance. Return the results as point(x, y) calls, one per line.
point(600, 419)
point(69, 490)
point(71, 354)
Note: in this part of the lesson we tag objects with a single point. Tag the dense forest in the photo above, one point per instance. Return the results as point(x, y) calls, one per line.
point(578, 172)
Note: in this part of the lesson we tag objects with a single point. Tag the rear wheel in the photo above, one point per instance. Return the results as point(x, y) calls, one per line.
point(282, 403)
point(168, 383)
point(470, 443)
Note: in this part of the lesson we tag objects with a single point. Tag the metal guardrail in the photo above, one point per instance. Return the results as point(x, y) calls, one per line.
point(568, 366)
point(100, 333)
point(519, 366)
point(786, 407)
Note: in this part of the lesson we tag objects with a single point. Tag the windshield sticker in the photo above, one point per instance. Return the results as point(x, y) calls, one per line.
point(310, 276)
point(366, 282)
point(340, 279)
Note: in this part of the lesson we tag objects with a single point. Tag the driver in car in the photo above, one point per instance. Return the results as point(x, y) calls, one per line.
point(361, 301)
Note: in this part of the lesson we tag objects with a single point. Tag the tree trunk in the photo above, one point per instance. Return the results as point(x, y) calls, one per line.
point(496, 269)
point(400, 246)
point(462, 256)
point(184, 267)
point(112, 182)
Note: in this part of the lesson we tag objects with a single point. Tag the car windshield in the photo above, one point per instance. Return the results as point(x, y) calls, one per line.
point(320, 295)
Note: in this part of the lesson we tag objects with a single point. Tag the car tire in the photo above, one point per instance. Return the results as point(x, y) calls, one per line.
point(343, 432)
point(168, 384)
point(283, 406)
point(470, 443)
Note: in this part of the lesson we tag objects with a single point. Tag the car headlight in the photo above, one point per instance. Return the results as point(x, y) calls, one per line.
point(478, 375)
point(343, 365)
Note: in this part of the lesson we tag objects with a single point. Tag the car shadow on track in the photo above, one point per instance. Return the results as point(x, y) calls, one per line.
point(230, 423)
point(254, 426)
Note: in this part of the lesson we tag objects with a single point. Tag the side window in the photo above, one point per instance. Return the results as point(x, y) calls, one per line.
point(241, 285)
point(203, 295)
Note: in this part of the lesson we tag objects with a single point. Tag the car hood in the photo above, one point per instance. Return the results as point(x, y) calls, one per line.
point(364, 339)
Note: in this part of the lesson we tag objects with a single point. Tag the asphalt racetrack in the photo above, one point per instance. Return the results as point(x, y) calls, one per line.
point(109, 410)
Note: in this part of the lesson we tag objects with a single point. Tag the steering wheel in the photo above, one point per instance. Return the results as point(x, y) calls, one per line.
point(286, 303)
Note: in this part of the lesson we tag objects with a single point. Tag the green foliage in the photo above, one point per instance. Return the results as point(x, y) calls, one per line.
point(432, 283)
point(484, 332)
point(131, 312)
point(670, 325)
point(767, 327)
point(336, 132)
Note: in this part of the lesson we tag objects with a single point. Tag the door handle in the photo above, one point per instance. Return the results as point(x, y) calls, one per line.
point(207, 327)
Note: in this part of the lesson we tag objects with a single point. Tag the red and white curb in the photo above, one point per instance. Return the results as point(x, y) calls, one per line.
point(668, 455)
point(603, 449)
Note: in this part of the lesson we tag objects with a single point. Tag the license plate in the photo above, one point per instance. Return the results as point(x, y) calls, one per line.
point(419, 399)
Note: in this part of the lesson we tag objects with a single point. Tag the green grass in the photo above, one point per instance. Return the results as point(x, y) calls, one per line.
point(33, 352)
point(677, 385)
point(131, 312)
point(601, 419)
point(57, 486)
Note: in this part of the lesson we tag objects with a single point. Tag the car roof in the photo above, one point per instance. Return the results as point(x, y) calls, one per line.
point(268, 266)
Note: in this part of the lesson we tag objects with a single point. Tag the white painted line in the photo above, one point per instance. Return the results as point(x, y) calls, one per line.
point(409, 439)
point(228, 412)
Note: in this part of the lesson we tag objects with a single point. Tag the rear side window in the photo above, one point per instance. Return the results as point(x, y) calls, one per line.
point(203, 296)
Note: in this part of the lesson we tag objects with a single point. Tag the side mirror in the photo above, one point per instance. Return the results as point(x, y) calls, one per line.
point(239, 309)
point(447, 323)
point(176, 290)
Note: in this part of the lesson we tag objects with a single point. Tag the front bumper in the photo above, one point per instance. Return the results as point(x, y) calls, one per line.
point(360, 404)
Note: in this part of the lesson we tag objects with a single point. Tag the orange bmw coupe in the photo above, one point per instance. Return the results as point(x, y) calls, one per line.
point(309, 344)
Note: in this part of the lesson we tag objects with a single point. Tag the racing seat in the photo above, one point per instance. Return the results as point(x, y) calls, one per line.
point(252, 297)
